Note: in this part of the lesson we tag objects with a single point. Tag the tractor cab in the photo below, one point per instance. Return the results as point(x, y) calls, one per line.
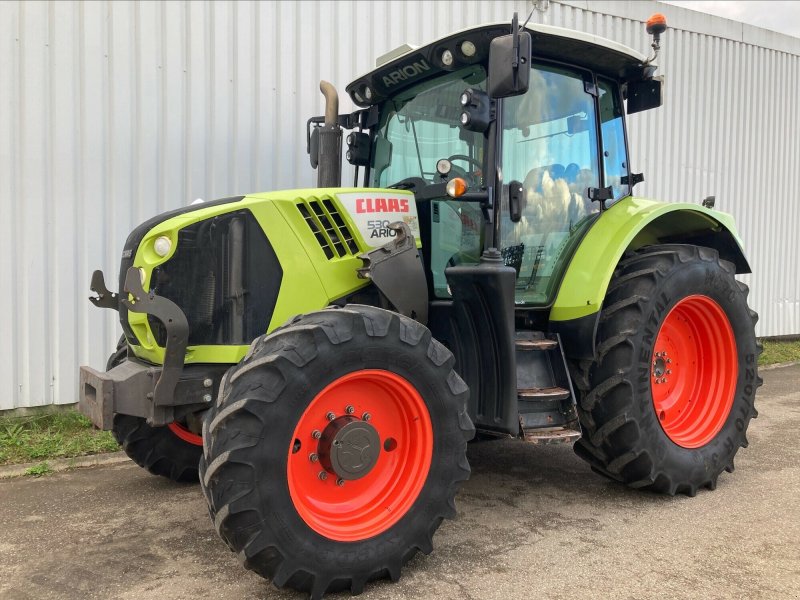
point(528, 168)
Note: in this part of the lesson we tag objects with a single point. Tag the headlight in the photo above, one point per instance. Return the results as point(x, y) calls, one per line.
point(162, 245)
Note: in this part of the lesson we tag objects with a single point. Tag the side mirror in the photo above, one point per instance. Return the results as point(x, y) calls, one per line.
point(644, 95)
point(510, 63)
point(516, 199)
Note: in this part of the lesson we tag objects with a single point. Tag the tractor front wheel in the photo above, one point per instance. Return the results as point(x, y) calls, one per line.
point(666, 402)
point(336, 448)
point(172, 451)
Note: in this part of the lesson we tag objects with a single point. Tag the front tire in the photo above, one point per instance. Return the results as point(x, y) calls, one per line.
point(666, 402)
point(172, 451)
point(336, 448)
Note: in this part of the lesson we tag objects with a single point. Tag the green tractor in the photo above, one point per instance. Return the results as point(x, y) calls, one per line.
point(326, 354)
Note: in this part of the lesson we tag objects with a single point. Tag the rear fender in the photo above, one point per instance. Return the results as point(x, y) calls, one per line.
point(630, 224)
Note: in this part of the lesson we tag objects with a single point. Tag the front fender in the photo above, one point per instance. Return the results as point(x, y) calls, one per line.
point(628, 225)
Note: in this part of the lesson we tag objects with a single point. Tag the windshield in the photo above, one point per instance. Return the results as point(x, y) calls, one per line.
point(420, 126)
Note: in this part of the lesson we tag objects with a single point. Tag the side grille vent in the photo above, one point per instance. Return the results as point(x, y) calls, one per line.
point(328, 227)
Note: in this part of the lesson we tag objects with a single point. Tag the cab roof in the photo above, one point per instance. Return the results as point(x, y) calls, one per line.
point(409, 65)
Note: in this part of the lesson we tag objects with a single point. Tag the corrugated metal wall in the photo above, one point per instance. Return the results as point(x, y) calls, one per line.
point(113, 111)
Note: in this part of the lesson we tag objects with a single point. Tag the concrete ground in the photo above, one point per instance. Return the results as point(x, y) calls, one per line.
point(533, 521)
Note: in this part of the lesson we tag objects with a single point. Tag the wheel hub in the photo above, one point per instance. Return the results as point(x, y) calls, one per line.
point(349, 448)
point(661, 367)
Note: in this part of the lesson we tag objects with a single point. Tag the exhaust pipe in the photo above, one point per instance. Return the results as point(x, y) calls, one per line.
point(329, 169)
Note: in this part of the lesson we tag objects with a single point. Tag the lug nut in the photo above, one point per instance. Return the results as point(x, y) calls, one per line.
point(316, 434)
point(669, 360)
point(207, 382)
point(366, 417)
point(323, 475)
point(340, 482)
point(669, 372)
point(330, 416)
point(349, 410)
point(313, 457)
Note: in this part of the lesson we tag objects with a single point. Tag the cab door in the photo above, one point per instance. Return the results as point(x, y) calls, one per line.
point(550, 143)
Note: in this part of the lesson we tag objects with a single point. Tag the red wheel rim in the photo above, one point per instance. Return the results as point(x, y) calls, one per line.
point(184, 434)
point(694, 371)
point(357, 509)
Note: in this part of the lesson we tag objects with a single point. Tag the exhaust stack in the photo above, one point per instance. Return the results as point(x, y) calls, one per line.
point(329, 170)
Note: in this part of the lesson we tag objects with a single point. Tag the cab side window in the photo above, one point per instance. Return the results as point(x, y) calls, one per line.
point(615, 158)
point(550, 145)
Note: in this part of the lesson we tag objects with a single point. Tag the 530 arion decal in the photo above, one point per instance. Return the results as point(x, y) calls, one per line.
point(373, 212)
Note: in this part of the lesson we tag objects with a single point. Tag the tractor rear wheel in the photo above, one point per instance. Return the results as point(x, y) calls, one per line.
point(336, 448)
point(666, 402)
point(172, 451)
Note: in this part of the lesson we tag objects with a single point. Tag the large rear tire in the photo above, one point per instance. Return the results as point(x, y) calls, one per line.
point(172, 451)
point(336, 448)
point(666, 402)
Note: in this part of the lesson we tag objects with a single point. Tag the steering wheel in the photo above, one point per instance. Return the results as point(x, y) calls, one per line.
point(468, 159)
point(472, 177)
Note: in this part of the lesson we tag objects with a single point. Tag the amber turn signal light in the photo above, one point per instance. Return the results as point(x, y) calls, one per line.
point(456, 187)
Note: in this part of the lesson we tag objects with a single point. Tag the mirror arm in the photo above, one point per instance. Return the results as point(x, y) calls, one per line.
point(515, 33)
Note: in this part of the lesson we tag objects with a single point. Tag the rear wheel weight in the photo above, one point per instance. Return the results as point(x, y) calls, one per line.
point(666, 402)
point(281, 497)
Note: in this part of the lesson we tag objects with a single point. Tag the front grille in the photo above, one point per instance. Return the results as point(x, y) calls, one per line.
point(326, 223)
point(132, 245)
point(224, 276)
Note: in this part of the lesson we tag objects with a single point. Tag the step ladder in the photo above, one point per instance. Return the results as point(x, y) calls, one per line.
point(546, 400)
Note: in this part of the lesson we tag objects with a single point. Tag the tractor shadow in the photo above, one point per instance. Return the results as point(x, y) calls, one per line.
point(514, 473)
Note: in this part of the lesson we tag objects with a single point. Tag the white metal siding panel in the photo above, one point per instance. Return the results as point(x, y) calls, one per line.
point(113, 111)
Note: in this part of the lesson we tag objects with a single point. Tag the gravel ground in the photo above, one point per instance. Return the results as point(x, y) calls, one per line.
point(533, 521)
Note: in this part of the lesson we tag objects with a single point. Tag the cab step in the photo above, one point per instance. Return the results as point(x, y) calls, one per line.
point(552, 435)
point(528, 344)
point(548, 393)
point(545, 398)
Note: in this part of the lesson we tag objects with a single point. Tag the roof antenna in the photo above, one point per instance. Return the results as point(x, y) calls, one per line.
point(530, 14)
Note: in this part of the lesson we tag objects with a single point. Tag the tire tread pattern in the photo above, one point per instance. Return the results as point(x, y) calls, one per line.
point(228, 466)
point(610, 436)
